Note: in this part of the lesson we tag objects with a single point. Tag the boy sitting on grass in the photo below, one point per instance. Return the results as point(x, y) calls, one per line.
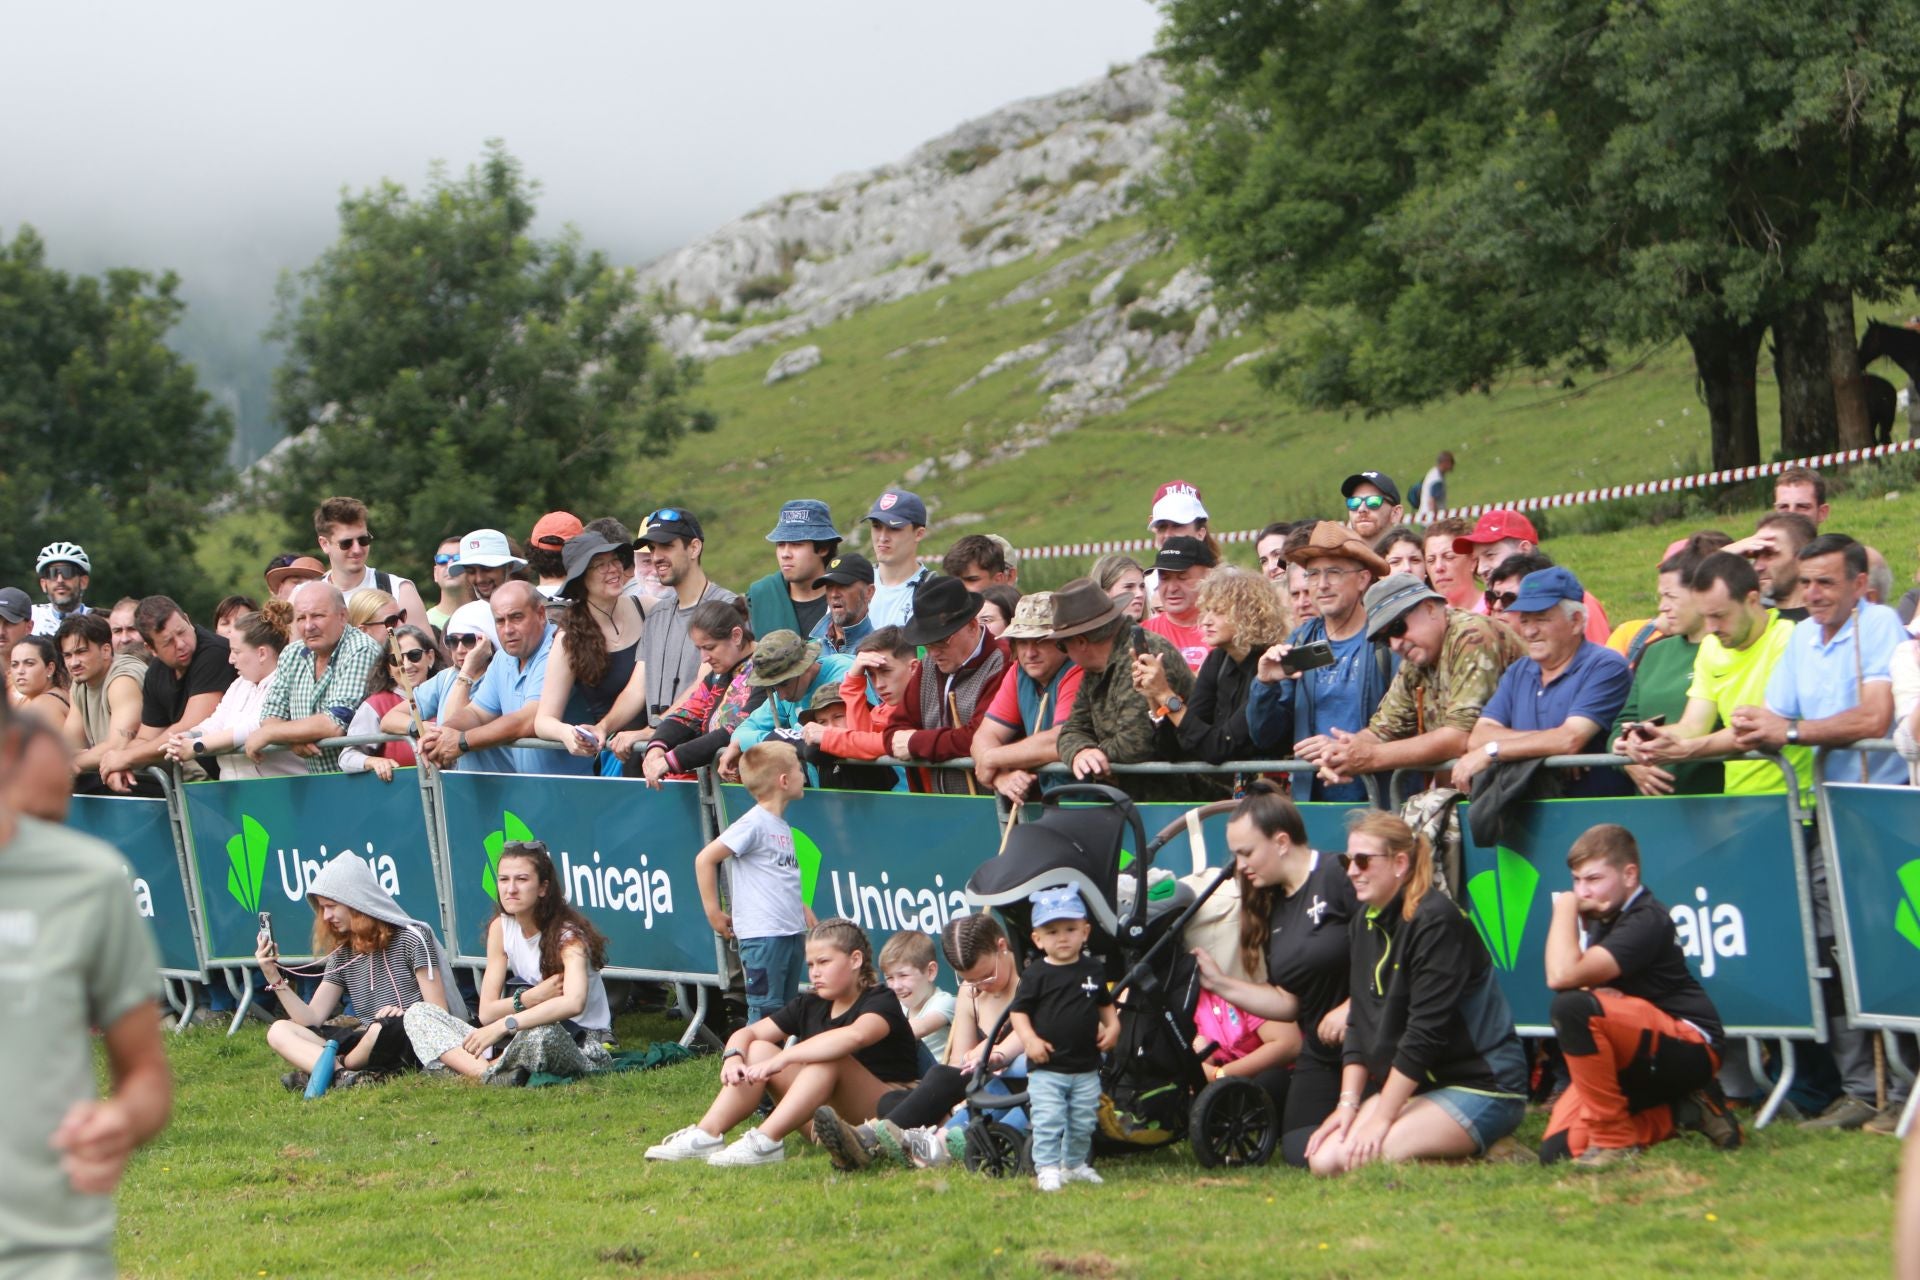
point(769, 919)
point(908, 967)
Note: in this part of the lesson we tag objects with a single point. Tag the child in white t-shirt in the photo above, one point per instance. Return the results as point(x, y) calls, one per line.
point(910, 971)
point(768, 918)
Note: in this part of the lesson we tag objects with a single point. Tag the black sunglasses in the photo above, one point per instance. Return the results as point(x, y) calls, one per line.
point(1362, 860)
point(364, 540)
point(62, 572)
point(405, 655)
point(1393, 630)
point(464, 639)
point(1501, 599)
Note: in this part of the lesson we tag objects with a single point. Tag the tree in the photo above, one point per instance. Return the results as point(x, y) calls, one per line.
point(106, 438)
point(1461, 190)
point(452, 370)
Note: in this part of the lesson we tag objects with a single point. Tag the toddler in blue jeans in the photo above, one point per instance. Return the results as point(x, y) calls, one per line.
point(768, 917)
point(1065, 1017)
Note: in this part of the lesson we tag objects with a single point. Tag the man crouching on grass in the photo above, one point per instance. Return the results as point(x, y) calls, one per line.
point(1641, 1036)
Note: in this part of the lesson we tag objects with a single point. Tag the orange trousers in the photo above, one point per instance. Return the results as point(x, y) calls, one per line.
point(1628, 1061)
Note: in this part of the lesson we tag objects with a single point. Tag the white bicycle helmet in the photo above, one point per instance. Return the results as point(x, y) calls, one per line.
point(57, 551)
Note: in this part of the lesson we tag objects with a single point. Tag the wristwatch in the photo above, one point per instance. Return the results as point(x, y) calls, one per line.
point(464, 748)
point(512, 1024)
point(1493, 751)
point(1793, 731)
point(733, 1053)
point(1173, 703)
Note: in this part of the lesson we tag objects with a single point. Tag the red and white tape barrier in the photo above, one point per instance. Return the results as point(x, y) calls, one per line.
point(1581, 498)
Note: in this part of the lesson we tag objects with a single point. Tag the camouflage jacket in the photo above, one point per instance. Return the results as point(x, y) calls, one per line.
point(1110, 714)
point(1450, 693)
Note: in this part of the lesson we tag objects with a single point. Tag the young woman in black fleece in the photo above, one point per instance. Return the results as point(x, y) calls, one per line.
point(1433, 1067)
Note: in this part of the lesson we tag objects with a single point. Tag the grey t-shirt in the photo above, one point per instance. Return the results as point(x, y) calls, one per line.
point(765, 877)
point(73, 955)
point(672, 661)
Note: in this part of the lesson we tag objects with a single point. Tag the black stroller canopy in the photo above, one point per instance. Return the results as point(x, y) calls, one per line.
point(1078, 846)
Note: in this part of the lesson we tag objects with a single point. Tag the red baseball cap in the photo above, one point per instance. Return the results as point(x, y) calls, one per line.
point(552, 530)
point(1494, 526)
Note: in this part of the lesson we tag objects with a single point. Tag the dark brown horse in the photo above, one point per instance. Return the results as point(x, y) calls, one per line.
point(1900, 345)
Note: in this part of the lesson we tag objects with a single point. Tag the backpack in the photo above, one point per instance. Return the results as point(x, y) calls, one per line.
point(1435, 814)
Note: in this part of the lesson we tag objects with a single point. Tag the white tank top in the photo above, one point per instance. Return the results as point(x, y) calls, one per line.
point(523, 962)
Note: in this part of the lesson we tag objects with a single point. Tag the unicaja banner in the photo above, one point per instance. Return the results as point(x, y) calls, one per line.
point(624, 851)
point(139, 829)
point(1723, 866)
point(1874, 865)
point(257, 845)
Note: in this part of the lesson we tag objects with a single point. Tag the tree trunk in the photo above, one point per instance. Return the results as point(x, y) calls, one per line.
point(1801, 365)
point(1855, 428)
point(1725, 354)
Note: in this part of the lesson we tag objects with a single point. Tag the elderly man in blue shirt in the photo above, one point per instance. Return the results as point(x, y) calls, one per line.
point(493, 704)
point(1834, 685)
point(1558, 700)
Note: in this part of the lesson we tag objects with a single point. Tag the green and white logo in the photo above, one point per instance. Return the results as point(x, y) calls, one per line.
point(511, 828)
point(1906, 917)
point(247, 863)
point(1501, 900)
point(807, 854)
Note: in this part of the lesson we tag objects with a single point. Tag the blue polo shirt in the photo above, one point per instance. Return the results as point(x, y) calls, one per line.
point(430, 695)
point(510, 685)
point(1594, 687)
point(1817, 678)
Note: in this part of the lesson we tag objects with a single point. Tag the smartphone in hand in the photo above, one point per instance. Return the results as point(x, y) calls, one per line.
point(1308, 657)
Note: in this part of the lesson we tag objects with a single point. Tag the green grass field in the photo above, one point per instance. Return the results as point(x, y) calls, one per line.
point(430, 1178)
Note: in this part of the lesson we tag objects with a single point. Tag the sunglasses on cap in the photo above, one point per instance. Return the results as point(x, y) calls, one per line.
point(1361, 860)
point(464, 639)
point(348, 544)
point(1372, 502)
point(405, 655)
point(1501, 599)
point(666, 514)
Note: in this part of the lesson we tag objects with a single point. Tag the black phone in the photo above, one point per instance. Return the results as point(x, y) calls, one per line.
point(1140, 647)
point(1644, 728)
point(1307, 657)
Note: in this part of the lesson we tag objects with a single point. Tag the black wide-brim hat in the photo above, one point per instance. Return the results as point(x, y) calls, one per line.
point(941, 606)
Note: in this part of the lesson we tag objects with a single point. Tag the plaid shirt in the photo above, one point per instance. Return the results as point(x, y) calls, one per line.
point(297, 693)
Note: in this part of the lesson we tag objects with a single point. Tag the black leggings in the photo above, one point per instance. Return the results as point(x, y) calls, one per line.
point(1305, 1095)
point(930, 1102)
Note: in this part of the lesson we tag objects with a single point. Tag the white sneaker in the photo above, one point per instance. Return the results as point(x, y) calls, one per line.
point(926, 1147)
point(1049, 1178)
point(751, 1147)
point(1082, 1173)
point(690, 1143)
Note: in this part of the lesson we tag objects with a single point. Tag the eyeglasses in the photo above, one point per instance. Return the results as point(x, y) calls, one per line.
point(445, 558)
point(1371, 501)
point(1393, 630)
point(1501, 599)
point(406, 655)
point(1328, 575)
point(464, 640)
point(62, 572)
point(1361, 860)
point(348, 544)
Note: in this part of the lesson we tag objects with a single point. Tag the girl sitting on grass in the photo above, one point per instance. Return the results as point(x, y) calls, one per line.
point(542, 992)
point(853, 1044)
point(381, 959)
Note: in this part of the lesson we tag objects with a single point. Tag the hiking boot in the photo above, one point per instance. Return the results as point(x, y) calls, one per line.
point(1887, 1122)
point(1845, 1113)
point(1607, 1157)
point(690, 1143)
point(1705, 1112)
point(1507, 1151)
point(752, 1147)
point(296, 1081)
point(847, 1147)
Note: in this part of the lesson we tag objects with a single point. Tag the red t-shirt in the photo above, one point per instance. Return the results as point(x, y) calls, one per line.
point(1005, 707)
point(1187, 640)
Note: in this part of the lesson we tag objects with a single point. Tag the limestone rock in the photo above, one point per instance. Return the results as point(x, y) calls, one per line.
point(791, 364)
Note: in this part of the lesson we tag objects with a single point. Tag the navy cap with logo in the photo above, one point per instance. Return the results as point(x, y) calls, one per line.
point(846, 570)
point(1177, 554)
point(667, 524)
point(1378, 479)
point(899, 509)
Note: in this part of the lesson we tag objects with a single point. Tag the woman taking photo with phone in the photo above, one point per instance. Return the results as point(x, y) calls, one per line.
point(1433, 1068)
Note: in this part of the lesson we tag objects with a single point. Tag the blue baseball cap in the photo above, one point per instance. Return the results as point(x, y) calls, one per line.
point(1062, 903)
point(899, 509)
point(804, 520)
point(1544, 588)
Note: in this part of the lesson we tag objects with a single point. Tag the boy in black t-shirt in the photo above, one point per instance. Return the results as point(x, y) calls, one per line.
point(1641, 1036)
point(1064, 1016)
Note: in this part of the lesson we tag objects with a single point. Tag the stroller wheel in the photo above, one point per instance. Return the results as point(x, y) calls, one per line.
point(1233, 1123)
point(997, 1150)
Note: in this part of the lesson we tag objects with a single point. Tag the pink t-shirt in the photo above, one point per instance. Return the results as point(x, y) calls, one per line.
point(1188, 640)
point(1236, 1031)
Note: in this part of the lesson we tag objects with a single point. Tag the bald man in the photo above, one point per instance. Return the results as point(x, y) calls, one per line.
point(494, 701)
point(320, 682)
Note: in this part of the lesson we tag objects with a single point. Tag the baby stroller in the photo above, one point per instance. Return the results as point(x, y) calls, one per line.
point(1153, 1089)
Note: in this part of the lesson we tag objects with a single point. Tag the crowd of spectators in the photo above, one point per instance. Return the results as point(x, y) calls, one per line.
point(1362, 646)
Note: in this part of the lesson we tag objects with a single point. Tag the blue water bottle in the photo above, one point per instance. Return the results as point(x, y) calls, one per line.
point(322, 1077)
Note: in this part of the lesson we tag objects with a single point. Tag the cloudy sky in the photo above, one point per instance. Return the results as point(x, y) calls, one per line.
point(215, 138)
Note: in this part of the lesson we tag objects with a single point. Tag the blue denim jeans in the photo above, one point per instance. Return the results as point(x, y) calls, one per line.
point(1065, 1108)
point(774, 969)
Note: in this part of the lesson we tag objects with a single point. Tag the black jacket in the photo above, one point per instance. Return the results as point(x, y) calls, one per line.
point(1425, 1002)
point(1215, 726)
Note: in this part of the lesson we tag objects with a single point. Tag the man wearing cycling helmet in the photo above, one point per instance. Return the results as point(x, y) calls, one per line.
point(64, 570)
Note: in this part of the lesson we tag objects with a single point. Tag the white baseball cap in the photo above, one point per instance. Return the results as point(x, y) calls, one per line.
point(488, 549)
point(1176, 502)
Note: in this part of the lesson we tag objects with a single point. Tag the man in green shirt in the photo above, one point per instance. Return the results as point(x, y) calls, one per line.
point(1743, 644)
point(1662, 677)
point(74, 955)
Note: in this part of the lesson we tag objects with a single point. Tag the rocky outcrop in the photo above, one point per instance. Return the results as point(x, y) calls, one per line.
point(791, 364)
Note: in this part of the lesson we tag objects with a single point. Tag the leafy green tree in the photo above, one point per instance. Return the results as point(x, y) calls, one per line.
point(106, 438)
point(452, 370)
point(1460, 190)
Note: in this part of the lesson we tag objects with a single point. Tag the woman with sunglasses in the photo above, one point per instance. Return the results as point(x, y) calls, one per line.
point(595, 665)
point(1295, 906)
point(1433, 1069)
point(376, 613)
point(412, 652)
point(254, 652)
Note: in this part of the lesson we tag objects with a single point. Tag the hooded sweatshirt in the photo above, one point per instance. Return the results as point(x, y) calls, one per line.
point(348, 879)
